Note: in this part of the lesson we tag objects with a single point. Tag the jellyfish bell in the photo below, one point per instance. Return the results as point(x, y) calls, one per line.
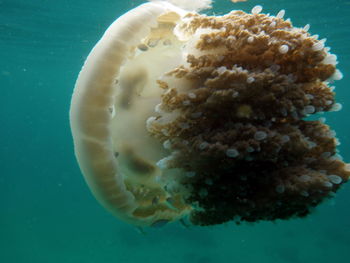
point(114, 95)
point(175, 113)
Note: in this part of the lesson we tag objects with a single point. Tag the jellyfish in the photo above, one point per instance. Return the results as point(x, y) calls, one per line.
point(181, 115)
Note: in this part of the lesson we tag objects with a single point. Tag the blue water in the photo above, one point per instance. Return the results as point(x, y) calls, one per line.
point(47, 213)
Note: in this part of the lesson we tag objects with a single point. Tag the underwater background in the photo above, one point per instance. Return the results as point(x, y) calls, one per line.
point(47, 213)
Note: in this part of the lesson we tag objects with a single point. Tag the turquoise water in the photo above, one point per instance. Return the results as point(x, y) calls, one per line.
point(47, 212)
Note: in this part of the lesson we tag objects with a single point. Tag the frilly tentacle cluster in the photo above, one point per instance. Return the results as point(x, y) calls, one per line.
point(233, 118)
